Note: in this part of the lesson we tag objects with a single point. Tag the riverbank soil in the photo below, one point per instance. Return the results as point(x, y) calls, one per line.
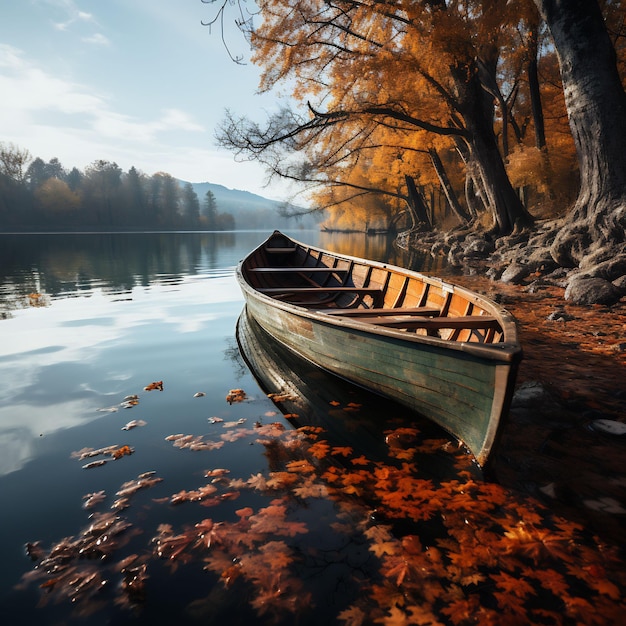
point(573, 373)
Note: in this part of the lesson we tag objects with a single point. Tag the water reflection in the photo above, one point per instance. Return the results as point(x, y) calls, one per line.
point(64, 265)
point(381, 248)
point(347, 413)
point(72, 305)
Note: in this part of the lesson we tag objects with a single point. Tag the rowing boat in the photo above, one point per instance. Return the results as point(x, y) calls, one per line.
point(441, 350)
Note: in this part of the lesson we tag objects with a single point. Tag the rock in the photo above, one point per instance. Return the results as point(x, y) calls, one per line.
point(559, 315)
point(478, 247)
point(515, 273)
point(610, 427)
point(620, 283)
point(531, 394)
point(584, 290)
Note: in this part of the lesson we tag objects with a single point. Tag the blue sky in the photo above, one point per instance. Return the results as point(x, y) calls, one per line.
point(138, 82)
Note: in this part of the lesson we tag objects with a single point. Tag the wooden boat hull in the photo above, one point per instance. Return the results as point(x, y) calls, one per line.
point(464, 387)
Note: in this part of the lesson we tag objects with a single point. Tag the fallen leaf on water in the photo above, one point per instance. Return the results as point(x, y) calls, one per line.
point(91, 499)
point(199, 394)
point(234, 423)
point(133, 424)
point(94, 464)
point(282, 397)
point(236, 395)
point(123, 451)
point(156, 385)
point(216, 473)
point(215, 420)
point(85, 453)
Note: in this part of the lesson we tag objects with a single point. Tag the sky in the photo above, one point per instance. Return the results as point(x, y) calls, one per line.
point(139, 82)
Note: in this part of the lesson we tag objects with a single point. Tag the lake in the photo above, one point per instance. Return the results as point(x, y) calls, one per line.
point(147, 478)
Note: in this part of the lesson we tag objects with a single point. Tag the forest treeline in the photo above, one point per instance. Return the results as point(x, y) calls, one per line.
point(41, 196)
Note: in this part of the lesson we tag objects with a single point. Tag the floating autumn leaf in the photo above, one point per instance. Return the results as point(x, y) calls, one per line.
point(86, 453)
point(311, 489)
point(302, 467)
point(199, 394)
point(216, 473)
point(282, 397)
point(196, 495)
point(92, 499)
point(143, 481)
point(345, 451)
point(234, 423)
point(123, 451)
point(236, 395)
point(320, 449)
point(134, 424)
point(155, 385)
point(193, 442)
point(93, 464)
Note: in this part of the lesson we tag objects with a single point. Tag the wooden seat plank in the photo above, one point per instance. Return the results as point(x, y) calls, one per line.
point(288, 270)
point(358, 312)
point(375, 293)
point(433, 323)
point(280, 250)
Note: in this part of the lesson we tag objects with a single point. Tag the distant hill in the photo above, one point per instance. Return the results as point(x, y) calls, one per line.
point(250, 210)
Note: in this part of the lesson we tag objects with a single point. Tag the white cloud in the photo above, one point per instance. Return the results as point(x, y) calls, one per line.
point(97, 39)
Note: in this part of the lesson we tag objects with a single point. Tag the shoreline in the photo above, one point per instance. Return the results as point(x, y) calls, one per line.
point(573, 372)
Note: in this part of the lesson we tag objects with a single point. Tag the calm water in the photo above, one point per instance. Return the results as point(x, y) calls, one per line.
point(87, 320)
point(331, 506)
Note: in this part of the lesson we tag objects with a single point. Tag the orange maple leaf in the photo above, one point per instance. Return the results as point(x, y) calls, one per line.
point(319, 449)
point(360, 460)
point(342, 450)
point(354, 616)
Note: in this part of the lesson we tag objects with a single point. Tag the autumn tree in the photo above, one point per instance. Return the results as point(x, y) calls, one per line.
point(56, 198)
point(410, 67)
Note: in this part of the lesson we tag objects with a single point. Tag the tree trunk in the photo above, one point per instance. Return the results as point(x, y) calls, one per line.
point(476, 107)
point(534, 89)
point(451, 196)
point(596, 107)
point(417, 206)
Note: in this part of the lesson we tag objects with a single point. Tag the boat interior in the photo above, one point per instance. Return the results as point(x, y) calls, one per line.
point(369, 293)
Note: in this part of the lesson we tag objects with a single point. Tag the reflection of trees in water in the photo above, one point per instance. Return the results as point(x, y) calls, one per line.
point(69, 264)
point(233, 355)
point(381, 248)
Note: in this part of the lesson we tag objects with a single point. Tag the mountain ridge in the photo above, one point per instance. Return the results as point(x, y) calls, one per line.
point(251, 209)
